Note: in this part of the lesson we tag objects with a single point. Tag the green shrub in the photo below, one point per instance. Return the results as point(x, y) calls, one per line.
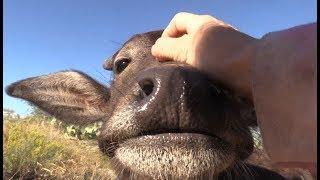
point(80, 132)
point(83, 132)
point(36, 148)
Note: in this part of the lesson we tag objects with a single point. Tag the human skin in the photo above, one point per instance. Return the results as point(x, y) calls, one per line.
point(285, 95)
point(211, 46)
point(276, 72)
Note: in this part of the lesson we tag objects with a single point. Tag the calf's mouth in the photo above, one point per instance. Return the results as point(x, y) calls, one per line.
point(180, 155)
point(173, 155)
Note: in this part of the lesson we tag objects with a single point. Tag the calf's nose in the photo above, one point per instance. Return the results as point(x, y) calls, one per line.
point(178, 97)
point(160, 83)
point(147, 85)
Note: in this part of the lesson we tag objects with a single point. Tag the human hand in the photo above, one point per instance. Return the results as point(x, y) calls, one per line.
point(211, 46)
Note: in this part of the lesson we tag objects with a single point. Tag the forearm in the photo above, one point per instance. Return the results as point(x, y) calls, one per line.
point(284, 92)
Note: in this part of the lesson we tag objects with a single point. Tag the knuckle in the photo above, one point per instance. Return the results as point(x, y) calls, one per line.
point(177, 15)
point(154, 49)
point(158, 42)
point(207, 18)
point(181, 14)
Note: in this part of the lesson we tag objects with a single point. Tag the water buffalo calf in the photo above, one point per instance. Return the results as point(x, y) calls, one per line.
point(161, 120)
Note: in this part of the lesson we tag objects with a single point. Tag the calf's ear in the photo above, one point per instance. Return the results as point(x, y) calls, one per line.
point(70, 96)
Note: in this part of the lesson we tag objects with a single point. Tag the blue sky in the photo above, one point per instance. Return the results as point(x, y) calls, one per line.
point(47, 36)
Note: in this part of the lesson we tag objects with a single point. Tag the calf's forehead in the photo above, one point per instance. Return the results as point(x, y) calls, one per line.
point(135, 46)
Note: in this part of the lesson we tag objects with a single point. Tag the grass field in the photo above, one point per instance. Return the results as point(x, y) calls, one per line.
point(35, 148)
point(38, 147)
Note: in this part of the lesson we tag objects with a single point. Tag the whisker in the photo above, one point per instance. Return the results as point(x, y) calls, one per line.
point(117, 43)
point(102, 76)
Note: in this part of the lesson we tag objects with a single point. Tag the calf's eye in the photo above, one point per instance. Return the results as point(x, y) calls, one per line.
point(121, 64)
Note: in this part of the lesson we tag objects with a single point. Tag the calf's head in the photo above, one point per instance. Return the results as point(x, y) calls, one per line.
point(161, 119)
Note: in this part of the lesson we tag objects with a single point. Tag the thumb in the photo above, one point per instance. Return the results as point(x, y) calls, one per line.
point(167, 48)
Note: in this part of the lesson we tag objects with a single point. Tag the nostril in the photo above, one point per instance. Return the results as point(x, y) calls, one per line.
point(146, 86)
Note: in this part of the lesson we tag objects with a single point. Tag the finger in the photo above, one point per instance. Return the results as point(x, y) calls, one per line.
point(180, 24)
point(171, 49)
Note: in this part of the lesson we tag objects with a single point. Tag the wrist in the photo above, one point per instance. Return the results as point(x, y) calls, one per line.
point(226, 55)
point(235, 72)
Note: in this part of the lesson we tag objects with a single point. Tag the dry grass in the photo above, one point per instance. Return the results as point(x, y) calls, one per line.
point(36, 149)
